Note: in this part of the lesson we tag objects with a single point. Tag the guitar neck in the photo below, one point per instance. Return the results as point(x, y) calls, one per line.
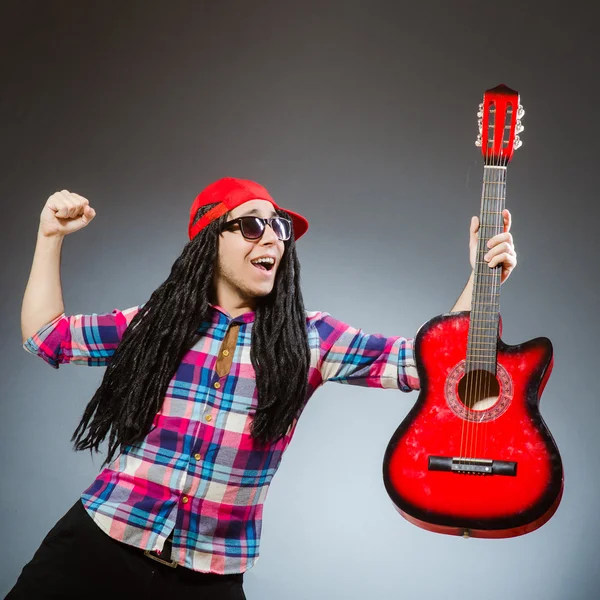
point(485, 302)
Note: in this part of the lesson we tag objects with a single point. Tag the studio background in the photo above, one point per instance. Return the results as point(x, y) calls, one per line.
point(361, 115)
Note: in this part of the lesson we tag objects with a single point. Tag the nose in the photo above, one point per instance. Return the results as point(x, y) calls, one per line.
point(269, 236)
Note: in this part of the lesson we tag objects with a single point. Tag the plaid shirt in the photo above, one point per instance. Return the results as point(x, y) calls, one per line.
point(197, 473)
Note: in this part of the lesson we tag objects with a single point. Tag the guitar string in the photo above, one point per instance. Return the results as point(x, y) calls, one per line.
point(511, 125)
point(477, 316)
point(479, 387)
point(497, 194)
point(510, 122)
point(480, 343)
point(489, 201)
point(490, 193)
point(472, 373)
point(483, 390)
point(493, 197)
point(468, 390)
point(497, 200)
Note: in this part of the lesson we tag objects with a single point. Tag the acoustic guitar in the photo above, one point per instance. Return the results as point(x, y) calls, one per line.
point(474, 457)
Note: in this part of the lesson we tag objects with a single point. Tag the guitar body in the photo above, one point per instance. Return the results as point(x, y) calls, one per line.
point(454, 467)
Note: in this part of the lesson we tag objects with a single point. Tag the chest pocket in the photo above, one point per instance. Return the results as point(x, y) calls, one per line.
point(227, 350)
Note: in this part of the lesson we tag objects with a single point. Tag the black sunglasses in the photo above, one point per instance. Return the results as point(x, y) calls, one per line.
point(252, 228)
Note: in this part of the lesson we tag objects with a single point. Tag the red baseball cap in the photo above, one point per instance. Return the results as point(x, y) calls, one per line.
point(230, 192)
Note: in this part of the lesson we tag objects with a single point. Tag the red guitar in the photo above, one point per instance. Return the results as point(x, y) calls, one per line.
point(474, 457)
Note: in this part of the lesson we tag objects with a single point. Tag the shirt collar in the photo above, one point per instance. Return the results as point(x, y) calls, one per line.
point(247, 317)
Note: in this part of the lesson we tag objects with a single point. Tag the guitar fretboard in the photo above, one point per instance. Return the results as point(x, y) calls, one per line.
point(485, 303)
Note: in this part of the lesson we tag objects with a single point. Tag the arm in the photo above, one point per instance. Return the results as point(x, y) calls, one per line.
point(63, 213)
point(45, 329)
point(43, 300)
point(349, 355)
point(81, 339)
point(464, 300)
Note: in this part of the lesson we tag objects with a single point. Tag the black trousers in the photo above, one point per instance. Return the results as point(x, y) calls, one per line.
point(77, 560)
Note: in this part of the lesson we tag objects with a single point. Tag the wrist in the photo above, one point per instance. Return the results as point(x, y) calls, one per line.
point(52, 239)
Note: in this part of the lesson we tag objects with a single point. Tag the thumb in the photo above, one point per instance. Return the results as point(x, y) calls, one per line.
point(88, 214)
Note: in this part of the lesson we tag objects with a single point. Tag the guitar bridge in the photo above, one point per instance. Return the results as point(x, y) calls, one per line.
point(473, 466)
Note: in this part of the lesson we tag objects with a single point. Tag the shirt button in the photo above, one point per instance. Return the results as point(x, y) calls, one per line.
point(185, 499)
point(225, 352)
point(217, 385)
point(208, 418)
point(197, 457)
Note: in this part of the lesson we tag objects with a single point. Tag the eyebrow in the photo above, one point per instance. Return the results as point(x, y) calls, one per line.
point(256, 211)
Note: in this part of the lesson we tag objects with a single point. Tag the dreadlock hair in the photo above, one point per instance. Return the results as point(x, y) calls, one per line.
point(152, 346)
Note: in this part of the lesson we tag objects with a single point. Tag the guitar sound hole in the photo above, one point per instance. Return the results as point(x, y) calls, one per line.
point(478, 390)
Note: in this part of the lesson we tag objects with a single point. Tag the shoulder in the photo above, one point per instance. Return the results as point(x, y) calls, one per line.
point(314, 316)
point(324, 326)
point(318, 318)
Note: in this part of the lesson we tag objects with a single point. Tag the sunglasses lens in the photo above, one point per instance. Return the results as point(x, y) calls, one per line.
point(252, 228)
point(281, 227)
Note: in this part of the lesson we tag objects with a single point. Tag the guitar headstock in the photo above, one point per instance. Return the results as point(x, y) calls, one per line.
point(499, 120)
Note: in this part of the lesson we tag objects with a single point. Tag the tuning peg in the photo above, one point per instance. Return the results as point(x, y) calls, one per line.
point(517, 143)
point(519, 127)
point(478, 141)
point(520, 112)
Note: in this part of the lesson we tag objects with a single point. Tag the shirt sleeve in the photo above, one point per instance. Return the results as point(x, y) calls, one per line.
point(349, 355)
point(80, 339)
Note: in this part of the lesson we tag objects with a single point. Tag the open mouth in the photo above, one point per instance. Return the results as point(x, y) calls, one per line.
point(264, 264)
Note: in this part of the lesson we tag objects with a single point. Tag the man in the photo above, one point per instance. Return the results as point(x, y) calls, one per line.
point(203, 388)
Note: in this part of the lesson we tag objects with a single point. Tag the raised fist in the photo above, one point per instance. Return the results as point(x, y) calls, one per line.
point(64, 213)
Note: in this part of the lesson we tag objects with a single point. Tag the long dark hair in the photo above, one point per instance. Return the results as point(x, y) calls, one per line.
point(138, 374)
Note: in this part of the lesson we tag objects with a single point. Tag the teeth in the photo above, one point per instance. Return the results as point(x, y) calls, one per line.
point(269, 261)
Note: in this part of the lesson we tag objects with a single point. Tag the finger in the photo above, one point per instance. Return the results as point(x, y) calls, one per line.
point(75, 202)
point(508, 269)
point(64, 204)
point(499, 239)
point(54, 201)
point(80, 204)
point(88, 214)
point(499, 248)
point(505, 258)
point(82, 200)
point(507, 219)
point(474, 224)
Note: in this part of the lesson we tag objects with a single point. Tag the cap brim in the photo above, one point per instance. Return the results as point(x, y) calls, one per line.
point(300, 223)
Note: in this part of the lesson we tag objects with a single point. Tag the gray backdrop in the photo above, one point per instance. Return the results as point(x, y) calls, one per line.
point(361, 116)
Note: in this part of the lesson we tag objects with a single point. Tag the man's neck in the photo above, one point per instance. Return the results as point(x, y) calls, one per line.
point(232, 304)
point(237, 311)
